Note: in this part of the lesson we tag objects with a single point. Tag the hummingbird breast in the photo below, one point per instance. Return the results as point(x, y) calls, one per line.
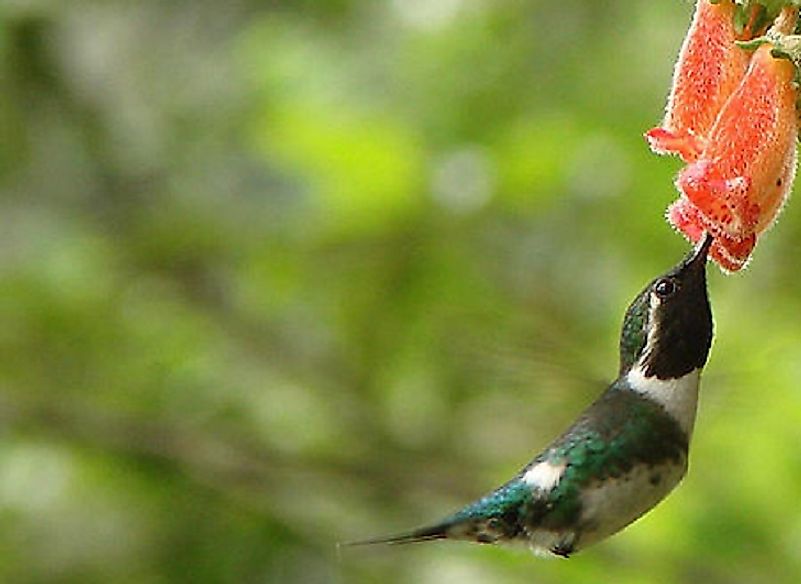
point(608, 507)
point(602, 507)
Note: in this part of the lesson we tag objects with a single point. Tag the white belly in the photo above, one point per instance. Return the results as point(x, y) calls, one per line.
point(611, 507)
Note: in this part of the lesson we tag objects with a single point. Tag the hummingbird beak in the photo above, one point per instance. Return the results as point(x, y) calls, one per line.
point(698, 256)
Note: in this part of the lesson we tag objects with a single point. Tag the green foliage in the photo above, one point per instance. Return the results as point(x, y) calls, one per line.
point(277, 275)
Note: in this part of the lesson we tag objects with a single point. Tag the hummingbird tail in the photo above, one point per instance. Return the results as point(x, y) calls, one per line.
point(423, 534)
point(493, 518)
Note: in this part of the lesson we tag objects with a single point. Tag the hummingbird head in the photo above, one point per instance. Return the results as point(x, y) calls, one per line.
point(667, 330)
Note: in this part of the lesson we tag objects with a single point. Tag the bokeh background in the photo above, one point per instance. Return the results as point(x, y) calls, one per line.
point(281, 274)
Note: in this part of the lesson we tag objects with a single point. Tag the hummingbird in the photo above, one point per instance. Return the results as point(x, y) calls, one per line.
point(625, 452)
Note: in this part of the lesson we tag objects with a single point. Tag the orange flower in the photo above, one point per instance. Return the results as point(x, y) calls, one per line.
point(730, 253)
point(709, 68)
point(737, 185)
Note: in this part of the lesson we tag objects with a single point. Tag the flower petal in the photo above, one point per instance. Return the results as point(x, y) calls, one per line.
point(709, 68)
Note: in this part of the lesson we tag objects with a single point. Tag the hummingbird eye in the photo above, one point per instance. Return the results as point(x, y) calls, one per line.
point(664, 287)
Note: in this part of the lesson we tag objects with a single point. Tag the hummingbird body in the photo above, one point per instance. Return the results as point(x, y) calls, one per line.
point(625, 452)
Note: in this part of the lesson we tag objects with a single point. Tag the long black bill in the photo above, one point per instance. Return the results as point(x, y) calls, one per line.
point(698, 256)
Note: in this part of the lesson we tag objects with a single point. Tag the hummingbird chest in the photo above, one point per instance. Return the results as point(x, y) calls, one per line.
point(610, 505)
point(601, 508)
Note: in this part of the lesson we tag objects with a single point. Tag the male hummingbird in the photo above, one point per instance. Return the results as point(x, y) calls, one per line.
point(625, 452)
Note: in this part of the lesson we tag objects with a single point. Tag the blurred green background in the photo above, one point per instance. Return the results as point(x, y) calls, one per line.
point(281, 274)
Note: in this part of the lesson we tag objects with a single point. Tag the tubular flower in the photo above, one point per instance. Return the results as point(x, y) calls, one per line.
point(741, 178)
point(709, 68)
